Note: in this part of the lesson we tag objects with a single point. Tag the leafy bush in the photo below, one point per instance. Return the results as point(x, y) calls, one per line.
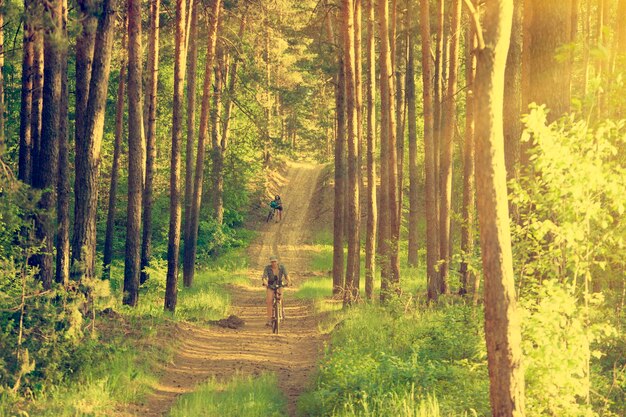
point(569, 245)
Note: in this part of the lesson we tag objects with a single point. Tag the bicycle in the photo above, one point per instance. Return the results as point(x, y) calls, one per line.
point(270, 215)
point(278, 310)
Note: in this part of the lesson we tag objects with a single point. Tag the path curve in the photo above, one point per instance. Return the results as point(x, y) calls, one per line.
point(207, 352)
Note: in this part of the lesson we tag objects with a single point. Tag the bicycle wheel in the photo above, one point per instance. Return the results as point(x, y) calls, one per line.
point(276, 321)
point(270, 215)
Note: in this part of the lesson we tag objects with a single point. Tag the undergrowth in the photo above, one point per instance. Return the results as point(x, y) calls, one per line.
point(387, 362)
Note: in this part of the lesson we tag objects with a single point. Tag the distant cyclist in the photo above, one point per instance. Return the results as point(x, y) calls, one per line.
point(277, 205)
point(274, 274)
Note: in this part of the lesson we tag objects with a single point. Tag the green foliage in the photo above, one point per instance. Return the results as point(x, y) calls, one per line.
point(239, 397)
point(380, 361)
point(569, 245)
point(558, 346)
point(582, 240)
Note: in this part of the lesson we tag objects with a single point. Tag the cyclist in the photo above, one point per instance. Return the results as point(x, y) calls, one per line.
point(273, 274)
point(277, 204)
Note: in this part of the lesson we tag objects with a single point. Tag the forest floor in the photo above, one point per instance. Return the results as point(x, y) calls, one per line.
point(215, 352)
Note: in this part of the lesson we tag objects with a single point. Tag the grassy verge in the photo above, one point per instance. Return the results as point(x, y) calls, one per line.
point(116, 361)
point(239, 397)
point(390, 362)
point(400, 360)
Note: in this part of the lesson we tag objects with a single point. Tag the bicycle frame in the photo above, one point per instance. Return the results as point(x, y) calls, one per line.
point(270, 214)
point(277, 308)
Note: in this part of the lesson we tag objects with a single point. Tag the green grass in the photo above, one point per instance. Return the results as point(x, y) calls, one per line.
point(119, 364)
point(239, 397)
point(384, 359)
point(317, 288)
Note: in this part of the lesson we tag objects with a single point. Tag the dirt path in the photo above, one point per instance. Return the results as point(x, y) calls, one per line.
point(252, 349)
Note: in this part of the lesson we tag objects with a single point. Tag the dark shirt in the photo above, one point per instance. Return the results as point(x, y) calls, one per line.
point(268, 274)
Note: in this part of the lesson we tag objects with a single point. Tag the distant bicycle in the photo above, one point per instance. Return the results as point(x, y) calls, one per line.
point(270, 215)
point(275, 204)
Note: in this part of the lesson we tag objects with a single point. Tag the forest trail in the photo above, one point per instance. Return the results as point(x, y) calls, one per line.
point(207, 352)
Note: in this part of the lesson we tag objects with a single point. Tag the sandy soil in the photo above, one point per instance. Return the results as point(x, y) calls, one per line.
point(207, 352)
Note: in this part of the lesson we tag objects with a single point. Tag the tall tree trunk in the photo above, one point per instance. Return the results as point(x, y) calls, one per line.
point(358, 79)
point(28, 55)
point(412, 116)
point(340, 177)
point(354, 216)
point(621, 27)
point(173, 242)
point(469, 194)
point(83, 188)
point(389, 250)
point(401, 51)
point(502, 325)
point(432, 247)
point(46, 164)
point(218, 149)
point(115, 166)
point(228, 100)
point(63, 184)
point(37, 91)
point(438, 103)
point(191, 245)
point(136, 150)
point(447, 146)
point(191, 115)
point(150, 130)
point(2, 106)
point(372, 214)
point(549, 82)
point(513, 96)
point(88, 145)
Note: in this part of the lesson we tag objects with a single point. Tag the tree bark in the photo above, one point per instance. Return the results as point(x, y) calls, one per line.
point(340, 175)
point(390, 276)
point(28, 54)
point(549, 81)
point(412, 124)
point(173, 243)
point(115, 166)
point(150, 130)
point(45, 166)
point(502, 325)
point(449, 120)
point(513, 96)
point(372, 214)
point(218, 148)
point(469, 193)
point(358, 79)
point(351, 293)
point(191, 115)
point(228, 100)
point(37, 91)
point(438, 103)
point(136, 151)
point(2, 106)
point(88, 148)
point(621, 27)
point(401, 51)
point(63, 184)
point(83, 188)
point(432, 246)
point(191, 245)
